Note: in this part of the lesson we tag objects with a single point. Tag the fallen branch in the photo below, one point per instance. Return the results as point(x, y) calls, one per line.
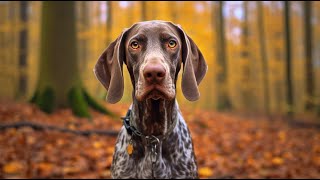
point(41, 127)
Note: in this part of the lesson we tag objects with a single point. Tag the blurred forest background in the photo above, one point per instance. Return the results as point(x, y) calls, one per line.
point(257, 61)
point(263, 58)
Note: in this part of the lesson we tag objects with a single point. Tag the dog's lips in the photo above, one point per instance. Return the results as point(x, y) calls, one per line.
point(155, 92)
point(155, 95)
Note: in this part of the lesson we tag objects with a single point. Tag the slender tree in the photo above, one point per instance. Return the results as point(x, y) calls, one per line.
point(246, 57)
point(83, 44)
point(59, 84)
point(223, 101)
point(308, 53)
point(109, 22)
point(130, 17)
point(143, 10)
point(23, 47)
point(264, 56)
point(289, 97)
point(173, 6)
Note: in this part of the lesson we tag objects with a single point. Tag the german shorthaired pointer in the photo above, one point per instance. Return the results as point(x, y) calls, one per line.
point(155, 141)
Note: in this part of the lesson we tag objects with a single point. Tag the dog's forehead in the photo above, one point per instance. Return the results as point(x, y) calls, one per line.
point(152, 27)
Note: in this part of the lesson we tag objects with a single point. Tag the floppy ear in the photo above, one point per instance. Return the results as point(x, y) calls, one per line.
point(194, 66)
point(108, 69)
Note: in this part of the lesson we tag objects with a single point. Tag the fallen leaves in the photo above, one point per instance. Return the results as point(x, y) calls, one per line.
point(277, 161)
point(44, 169)
point(97, 144)
point(226, 146)
point(205, 172)
point(232, 146)
point(12, 167)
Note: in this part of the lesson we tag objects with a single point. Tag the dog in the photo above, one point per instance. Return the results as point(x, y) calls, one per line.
point(154, 141)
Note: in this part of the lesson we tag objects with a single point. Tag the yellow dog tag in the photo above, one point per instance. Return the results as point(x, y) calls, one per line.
point(130, 148)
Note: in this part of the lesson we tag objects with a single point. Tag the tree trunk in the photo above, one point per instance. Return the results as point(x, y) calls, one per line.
point(83, 44)
point(23, 47)
point(245, 57)
point(173, 6)
point(308, 53)
point(223, 101)
point(143, 10)
point(289, 97)
point(59, 84)
point(130, 18)
point(264, 57)
point(109, 22)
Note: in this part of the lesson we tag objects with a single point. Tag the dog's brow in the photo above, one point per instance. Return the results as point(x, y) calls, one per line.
point(167, 36)
point(138, 37)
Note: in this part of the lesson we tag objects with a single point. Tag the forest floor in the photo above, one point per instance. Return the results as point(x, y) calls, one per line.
point(226, 145)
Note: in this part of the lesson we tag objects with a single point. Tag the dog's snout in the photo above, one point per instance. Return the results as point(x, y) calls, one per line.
point(154, 73)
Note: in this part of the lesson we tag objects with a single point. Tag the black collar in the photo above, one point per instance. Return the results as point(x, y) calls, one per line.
point(148, 139)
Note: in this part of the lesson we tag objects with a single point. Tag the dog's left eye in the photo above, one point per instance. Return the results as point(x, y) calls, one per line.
point(135, 45)
point(172, 44)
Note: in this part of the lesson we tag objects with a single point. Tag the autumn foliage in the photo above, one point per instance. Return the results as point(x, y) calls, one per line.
point(226, 145)
point(262, 56)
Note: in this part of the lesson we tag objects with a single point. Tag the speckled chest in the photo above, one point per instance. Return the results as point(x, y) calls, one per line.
point(175, 156)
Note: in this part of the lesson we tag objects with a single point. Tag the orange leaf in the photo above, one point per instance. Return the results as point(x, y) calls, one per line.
point(97, 144)
point(282, 136)
point(277, 161)
point(45, 166)
point(205, 172)
point(12, 167)
point(110, 149)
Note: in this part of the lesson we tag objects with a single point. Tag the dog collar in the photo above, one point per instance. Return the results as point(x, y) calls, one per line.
point(149, 139)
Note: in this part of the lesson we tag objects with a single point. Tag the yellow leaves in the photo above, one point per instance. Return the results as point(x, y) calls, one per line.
point(71, 170)
point(205, 172)
point(72, 127)
point(109, 161)
point(13, 167)
point(60, 142)
point(229, 145)
point(316, 149)
point(106, 174)
point(282, 135)
point(267, 155)
point(30, 140)
point(214, 156)
point(97, 144)
point(250, 161)
point(45, 168)
point(316, 161)
point(246, 138)
point(49, 147)
point(94, 153)
point(277, 161)
point(288, 155)
point(109, 150)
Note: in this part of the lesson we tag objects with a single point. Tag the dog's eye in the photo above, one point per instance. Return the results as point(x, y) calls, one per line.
point(172, 44)
point(135, 45)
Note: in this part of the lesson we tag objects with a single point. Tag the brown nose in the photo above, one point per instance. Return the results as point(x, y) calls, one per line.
point(154, 73)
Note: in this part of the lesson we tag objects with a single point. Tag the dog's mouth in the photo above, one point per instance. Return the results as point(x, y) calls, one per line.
point(155, 95)
point(155, 92)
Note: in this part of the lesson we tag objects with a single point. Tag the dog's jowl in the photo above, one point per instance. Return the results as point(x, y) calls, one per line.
point(154, 141)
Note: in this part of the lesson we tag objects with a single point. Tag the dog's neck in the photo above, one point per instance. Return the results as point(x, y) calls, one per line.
point(154, 117)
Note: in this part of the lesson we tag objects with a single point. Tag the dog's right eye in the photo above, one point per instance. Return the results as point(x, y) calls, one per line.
point(135, 45)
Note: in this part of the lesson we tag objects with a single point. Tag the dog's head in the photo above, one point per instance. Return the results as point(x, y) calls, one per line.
point(153, 52)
